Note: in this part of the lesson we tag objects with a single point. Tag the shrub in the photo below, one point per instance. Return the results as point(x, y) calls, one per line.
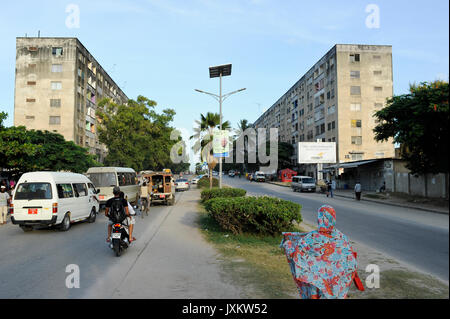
point(222, 192)
point(260, 215)
point(204, 182)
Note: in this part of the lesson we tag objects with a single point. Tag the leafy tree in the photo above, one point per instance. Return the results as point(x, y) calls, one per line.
point(135, 134)
point(23, 150)
point(418, 121)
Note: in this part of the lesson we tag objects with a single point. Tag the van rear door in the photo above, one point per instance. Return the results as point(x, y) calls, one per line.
point(33, 201)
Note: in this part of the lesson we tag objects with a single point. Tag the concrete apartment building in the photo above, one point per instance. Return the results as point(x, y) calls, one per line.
point(335, 102)
point(57, 88)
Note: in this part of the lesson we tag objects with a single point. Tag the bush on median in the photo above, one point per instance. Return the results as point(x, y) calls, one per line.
point(208, 194)
point(204, 182)
point(258, 215)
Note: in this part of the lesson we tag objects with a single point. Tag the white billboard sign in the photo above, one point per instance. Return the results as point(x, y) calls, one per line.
point(317, 152)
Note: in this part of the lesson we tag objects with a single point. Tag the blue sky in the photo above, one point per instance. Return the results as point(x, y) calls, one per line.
point(162, 49)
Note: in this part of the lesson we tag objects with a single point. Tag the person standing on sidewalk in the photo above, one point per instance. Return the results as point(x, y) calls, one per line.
point(329, 188)
point(333, 187)
point(358, 190)
point(4, 201)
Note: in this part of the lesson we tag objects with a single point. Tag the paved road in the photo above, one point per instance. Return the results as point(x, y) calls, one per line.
point(418, 238)
point(170, 259)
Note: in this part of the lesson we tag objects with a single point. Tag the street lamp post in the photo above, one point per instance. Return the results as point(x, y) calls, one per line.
point(214, 72)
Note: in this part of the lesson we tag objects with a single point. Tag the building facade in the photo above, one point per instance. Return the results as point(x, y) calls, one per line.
point(335, 102)
point(57, 88)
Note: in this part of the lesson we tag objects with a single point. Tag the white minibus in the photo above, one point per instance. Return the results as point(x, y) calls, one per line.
point(105, 178)
point(53, 198)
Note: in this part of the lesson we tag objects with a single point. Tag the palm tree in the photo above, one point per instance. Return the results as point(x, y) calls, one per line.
point(242, 126)
point(204, 134)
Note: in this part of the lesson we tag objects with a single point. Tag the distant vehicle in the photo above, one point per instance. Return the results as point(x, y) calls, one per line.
point(303, 183)
point(182, 184)
point(260, 177)
point(105, 178)
point(231, 173)
point(53, 198)
point(215, 173)
point(196, 179)
point(163, 187)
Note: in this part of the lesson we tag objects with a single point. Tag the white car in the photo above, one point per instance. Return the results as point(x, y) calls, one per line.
point(303, 184)
point(182, 184)
point(195, 180)
point(53, 198)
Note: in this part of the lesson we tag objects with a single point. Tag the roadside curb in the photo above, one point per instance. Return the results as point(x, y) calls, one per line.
point(385, 203)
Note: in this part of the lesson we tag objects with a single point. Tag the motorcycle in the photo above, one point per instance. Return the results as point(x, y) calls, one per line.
point(119, 238)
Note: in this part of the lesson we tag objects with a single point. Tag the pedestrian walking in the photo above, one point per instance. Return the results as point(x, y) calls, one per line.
point(4, 201)
point(328, 188)
point(333, 187)
point(358, 191)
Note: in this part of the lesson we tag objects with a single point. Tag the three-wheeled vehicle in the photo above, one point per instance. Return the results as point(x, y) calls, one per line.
point(162, 185)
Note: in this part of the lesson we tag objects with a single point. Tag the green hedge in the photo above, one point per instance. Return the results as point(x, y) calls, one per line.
point(259, 215)
point(204, 182)
point(222, 192)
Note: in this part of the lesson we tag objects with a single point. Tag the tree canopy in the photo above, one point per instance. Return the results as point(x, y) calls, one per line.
point(23, 150)
point(135, 134)
point(418, 121)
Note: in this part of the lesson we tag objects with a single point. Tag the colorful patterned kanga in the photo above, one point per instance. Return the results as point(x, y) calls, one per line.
point(322, 262)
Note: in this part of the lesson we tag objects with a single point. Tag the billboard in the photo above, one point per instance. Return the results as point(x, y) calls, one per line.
point(317, 152)
point(220, 143)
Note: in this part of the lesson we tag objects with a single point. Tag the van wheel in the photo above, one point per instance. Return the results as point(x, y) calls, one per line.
point(65, 225)
point(26, 228)
point(92, 216)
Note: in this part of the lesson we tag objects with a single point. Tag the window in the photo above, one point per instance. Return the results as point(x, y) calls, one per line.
point(355, 90)
point(64, 190)
point(377, 72)
point(317, 130)
point(56, 85)
point(56, 68)
point(356, 107)
point(333, 125)
point(322, 128)
point(80, 189)
point(31, 100)
point(354, 57)
point(57, 51)
point(357, 157)
point(378, 105)
point(357, 140)
point(31, 83)
point(378, 89)
point(30, 191)
point(55, 120)
point(354, 74)
point(356, 123)
point(331, 109)
point(329, 126)
point(29, 117)
point(32, 65)
point(377, 57)
point(55, 102)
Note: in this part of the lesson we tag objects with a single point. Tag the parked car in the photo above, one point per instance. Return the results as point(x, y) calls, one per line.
point(260, 177)
point(303, 183)
point(53, 198)
point(215, 173)
point(195, 179)
point(182, 184)
point(231, 173)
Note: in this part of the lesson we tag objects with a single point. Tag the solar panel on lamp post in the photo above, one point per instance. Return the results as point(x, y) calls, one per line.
point(214, 72)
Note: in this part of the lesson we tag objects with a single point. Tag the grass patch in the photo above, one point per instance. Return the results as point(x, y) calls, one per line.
point(403, 284)
point(252, 261)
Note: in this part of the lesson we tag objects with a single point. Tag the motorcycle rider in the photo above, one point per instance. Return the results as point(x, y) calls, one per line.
point(131, 220)
point(116, 192)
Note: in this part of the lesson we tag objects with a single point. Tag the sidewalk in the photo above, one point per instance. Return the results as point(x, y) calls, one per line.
point(177, 262)
point(430, 205)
